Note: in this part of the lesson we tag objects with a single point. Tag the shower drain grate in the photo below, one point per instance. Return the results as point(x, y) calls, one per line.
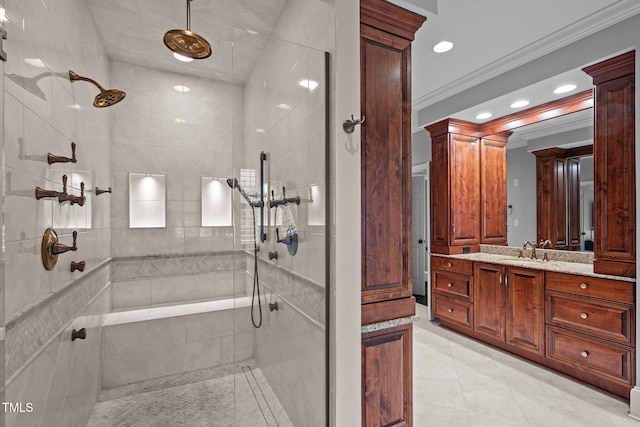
point(265, 408)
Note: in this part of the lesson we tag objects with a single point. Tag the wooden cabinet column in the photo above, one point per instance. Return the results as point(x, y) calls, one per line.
point(468, 187)
point(493, 189)
point(386, 33)
point(455, 187)
point(614, 164)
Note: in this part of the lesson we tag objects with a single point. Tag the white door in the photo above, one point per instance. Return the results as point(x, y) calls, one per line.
point(418, 235)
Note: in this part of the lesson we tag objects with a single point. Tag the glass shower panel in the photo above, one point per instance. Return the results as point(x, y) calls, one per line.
point(280, 133)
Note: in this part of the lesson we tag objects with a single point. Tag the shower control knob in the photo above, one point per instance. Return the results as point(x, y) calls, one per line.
point(77, 266)
point(81, 334)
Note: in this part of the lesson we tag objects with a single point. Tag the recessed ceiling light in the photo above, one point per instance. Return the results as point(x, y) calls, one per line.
point(180, 120)
point(3, 15)
point(284, 106)
point(182, 88)
point(252, 32)
point(308, 84)
point(483, 116)
point(564, 88)
point(35, 62)
point(519, 104)
point(260, 130)
point(442, 47)
point(182, 57)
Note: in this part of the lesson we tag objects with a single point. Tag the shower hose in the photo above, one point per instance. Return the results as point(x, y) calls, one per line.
point(256, 282)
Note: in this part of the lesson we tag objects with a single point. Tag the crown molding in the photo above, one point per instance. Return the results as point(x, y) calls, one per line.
point(589, 25)
point(557, 128)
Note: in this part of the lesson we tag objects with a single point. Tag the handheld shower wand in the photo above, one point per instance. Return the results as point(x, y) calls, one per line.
point(233, 183)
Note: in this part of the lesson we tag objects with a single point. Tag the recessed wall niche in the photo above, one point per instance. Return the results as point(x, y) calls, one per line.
point(216, 202)
point(147, 201)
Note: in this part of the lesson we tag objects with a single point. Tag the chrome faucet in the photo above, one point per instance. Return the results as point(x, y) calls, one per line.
point(533, 245)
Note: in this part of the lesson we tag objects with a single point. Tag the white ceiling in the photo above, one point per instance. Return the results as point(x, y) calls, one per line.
point(490, 37)
point(132, 31)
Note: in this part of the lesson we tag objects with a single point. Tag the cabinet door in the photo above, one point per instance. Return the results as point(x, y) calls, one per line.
point(525, 309)
point(440, 228)
point(615, 191)
point(494, 192)
point(386, 377)
point(465, 190)
point(488, 300)
point(385, 167)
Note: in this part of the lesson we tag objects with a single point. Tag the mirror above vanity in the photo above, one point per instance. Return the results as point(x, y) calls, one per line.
point(469, 174)
point(550, 183)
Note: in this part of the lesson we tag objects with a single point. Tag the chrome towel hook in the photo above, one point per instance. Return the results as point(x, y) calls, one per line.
point(349, 125)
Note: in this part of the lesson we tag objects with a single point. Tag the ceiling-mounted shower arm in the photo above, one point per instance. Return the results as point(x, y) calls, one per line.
point(188, 15)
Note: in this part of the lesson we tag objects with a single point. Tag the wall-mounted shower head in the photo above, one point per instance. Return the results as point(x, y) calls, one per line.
point(106, 97)
point(186, 42)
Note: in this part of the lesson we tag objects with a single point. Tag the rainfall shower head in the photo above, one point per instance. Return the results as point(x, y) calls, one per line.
point(186, 42)
point(106, 97)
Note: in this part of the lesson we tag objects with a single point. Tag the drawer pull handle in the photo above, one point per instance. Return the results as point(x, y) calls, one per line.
point(450, 310)
point(584, 353)
point(583, 286)
point(584, 315)
point(449, 285)
point(449, 264)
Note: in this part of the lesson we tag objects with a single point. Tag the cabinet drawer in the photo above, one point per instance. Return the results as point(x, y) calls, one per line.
point(614, 290)
point(462, 266)
point(453, 310)
point(608, 320)
point(597, 357)
point(457, 285)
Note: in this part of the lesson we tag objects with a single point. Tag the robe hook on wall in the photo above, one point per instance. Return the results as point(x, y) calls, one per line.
point(349, 125)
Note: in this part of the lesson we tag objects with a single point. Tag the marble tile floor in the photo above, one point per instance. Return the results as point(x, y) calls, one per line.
point(226, 396)
point(460, 382)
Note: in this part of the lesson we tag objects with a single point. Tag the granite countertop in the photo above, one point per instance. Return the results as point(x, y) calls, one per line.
point(509, 256)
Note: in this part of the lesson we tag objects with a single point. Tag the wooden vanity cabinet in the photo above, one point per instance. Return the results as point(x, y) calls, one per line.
point(509, 305)
point(452, 290)
point(583, 326)
point(591, 330)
